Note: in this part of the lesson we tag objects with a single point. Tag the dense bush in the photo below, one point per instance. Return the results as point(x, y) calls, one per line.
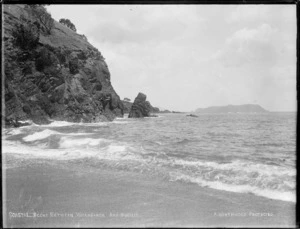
point(26, 35)
point(44, 59)
point(84, 37)
point(74, 66)
point(61, 55)
point(82, 55)
point(43, 18)
point(68, 23)
point(35, 5)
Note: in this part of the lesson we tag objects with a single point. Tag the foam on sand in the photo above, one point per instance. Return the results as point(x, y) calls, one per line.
point(271, 181)
point(289, 196)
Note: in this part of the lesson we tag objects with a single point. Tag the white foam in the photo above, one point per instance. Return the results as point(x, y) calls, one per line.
point(47, 133)
point(67, 142)
point(158, 116)
point(271, 181)
point(268, 193)
point(26, 121)
point(59, 123)
point(93, 124)
point(14, 131)
point(39, 135)
point(65, 123)
point(124, 152)
point(120, 122)
point(74, 149)
point(16, 148)
point(119, 118)
point(238, 165)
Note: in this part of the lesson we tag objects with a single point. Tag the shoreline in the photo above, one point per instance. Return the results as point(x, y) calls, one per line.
point(69, 194)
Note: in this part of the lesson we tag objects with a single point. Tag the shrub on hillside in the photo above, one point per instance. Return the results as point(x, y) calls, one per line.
point(74, 66)
point(35, 5)
point(61, 55)
point(84, 37)
point(43, 18)
point(68, 23)
point(45, 58)
point(26, 35)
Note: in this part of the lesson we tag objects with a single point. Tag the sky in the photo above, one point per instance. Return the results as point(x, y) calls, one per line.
point(185, 57)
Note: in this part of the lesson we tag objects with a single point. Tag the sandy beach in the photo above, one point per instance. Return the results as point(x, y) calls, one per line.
point(43, 193)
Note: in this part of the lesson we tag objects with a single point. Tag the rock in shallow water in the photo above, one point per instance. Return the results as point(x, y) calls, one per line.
point(140, 107)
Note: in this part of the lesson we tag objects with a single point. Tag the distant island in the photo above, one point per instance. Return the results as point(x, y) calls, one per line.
point(246, 108)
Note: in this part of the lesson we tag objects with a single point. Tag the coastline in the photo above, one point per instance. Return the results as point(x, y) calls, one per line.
point(72, 194)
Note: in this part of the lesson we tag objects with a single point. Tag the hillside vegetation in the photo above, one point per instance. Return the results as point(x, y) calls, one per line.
point(51, 72)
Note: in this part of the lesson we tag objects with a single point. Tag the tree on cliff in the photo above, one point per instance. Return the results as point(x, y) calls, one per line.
point(127, 100)
point(68, 23)
point(26, 34)
point(40, 14)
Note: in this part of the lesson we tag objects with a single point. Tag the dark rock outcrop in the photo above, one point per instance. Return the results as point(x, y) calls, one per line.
point(192, 115)
point(155, 110)
point(127, 107)
point(140, 107)
point(165, 111)
point(60, 77)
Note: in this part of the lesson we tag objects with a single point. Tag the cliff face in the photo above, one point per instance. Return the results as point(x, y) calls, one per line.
point(247, 108)
point(53, 74)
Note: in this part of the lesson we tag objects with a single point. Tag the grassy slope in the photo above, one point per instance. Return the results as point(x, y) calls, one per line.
point(61, 36)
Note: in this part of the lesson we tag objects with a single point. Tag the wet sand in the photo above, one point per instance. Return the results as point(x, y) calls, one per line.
point(44, 193)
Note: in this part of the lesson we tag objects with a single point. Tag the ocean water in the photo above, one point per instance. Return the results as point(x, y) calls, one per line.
point(245, 153)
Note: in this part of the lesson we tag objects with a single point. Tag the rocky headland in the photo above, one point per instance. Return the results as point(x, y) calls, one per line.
point(51, 72)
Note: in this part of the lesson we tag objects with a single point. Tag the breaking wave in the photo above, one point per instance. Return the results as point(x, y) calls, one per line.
point(270, 181)
point(121, 147)
point(274, 182)
point(47, 133)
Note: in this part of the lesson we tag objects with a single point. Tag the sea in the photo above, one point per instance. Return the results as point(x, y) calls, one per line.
point(251, 153)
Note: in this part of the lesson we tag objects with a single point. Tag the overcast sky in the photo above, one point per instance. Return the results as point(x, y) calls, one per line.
point(188, 56)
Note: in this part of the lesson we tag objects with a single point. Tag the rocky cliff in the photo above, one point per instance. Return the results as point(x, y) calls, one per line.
point(51, 72)
point(246, 108)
